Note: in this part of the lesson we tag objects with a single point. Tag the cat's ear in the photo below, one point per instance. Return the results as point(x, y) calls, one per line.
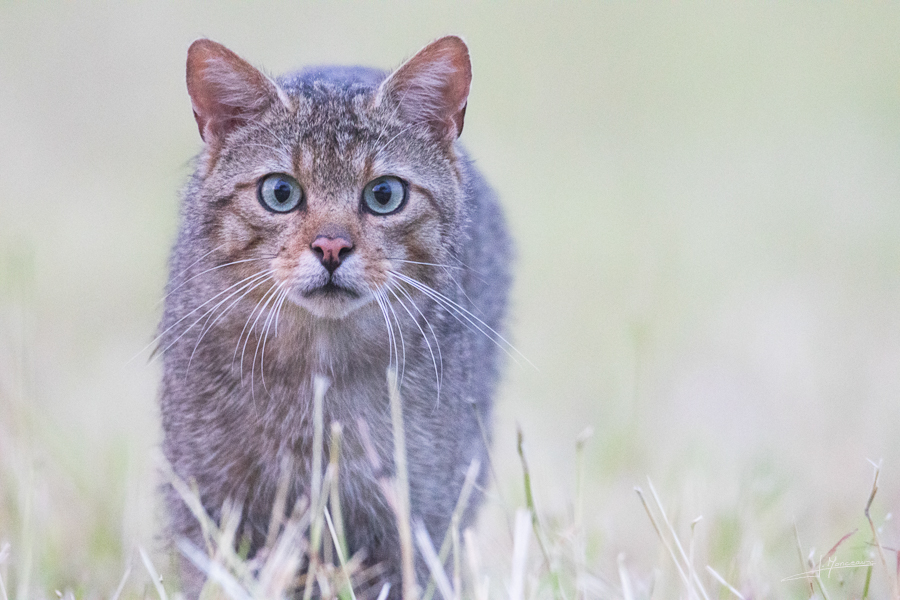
point(433, 87)
point(226, 90)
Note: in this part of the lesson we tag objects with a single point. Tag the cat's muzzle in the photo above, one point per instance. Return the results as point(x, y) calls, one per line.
point(331, 294)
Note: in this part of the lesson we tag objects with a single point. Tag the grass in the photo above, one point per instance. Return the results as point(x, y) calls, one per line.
point(75, 522)
point(546, 555)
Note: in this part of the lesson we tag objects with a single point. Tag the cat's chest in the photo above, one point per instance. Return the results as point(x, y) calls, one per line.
point(261, 379)
point(275, 384)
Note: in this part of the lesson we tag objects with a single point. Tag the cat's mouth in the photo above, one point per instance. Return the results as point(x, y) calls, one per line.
point(330, 300)
point(329, 295)
point(330, 289)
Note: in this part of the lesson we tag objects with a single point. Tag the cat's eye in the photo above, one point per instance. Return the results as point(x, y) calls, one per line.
point(384, 195)
point(280, 193)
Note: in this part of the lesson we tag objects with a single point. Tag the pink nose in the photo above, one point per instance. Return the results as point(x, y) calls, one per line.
point(331, 251)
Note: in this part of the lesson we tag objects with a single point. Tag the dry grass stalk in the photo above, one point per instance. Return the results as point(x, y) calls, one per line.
point(439, 576)
point(520, 555)
point(479, 588)
point(401, 484)
point(697, 586)
point(334, 467)
point(684, 578)
point(809, 580)
point(724, 583)
point(461, 503)
point(892, 581)
point(276, 520)
point(4, 554)
point(339, 545)
point(320, 386)
point(684, 561)
point(154, 575)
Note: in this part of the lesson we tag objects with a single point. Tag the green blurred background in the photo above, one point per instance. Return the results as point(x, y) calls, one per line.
point(706, 204)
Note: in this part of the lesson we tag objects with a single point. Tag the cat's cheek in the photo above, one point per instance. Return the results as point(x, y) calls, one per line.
point(375, 276)
point(237, 234)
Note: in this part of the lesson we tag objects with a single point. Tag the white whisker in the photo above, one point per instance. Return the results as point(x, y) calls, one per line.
point(427, 322)
point(379, 298)
point(402, 343)
point(261, 305)
point(417, 262)
point(437, 376)
point(392, 336)
point(255, 278)
point(187, 268)
point(445, 269)
point(208, 326)
point(455, 309)
point(265, 334)
point(204, 272)
point(462, 290)
point(286, 293)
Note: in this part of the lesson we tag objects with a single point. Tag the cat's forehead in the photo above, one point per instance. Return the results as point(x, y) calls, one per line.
point(334, 135)
point(333, 104)
point(332, 93)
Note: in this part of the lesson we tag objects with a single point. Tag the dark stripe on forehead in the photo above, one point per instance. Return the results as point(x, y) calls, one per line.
point(369, 168)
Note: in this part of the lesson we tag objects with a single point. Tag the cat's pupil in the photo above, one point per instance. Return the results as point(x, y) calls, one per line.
point(382, 193)
point(282, 191)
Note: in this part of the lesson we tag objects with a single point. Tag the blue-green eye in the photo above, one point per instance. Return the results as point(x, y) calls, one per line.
point(280, 193)
point(384, 195)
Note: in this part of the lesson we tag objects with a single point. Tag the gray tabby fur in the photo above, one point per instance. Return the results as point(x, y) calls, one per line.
point(237, 396)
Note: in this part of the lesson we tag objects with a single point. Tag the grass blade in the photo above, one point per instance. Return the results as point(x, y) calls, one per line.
point(154, 576)
point(213, 570)
point(520, 555)
point(401, 485)
point(434, 563)
point(721, 580)
point(120, 587)
point(340, 553)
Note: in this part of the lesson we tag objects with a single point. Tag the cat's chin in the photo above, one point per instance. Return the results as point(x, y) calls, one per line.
point(330, 303)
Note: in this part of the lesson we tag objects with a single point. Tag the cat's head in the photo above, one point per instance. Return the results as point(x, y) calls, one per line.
point(325, 182)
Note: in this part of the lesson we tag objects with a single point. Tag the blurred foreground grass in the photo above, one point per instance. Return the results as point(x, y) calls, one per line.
point(706, 201)
point(81, 529)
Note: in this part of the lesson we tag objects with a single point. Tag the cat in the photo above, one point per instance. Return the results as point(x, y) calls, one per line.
point(334, 226)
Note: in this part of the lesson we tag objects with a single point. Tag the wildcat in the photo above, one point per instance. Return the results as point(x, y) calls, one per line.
point(335, 226)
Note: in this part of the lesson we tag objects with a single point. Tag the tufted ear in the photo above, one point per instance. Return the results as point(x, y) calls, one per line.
point(433, 87)
point(226, 91)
